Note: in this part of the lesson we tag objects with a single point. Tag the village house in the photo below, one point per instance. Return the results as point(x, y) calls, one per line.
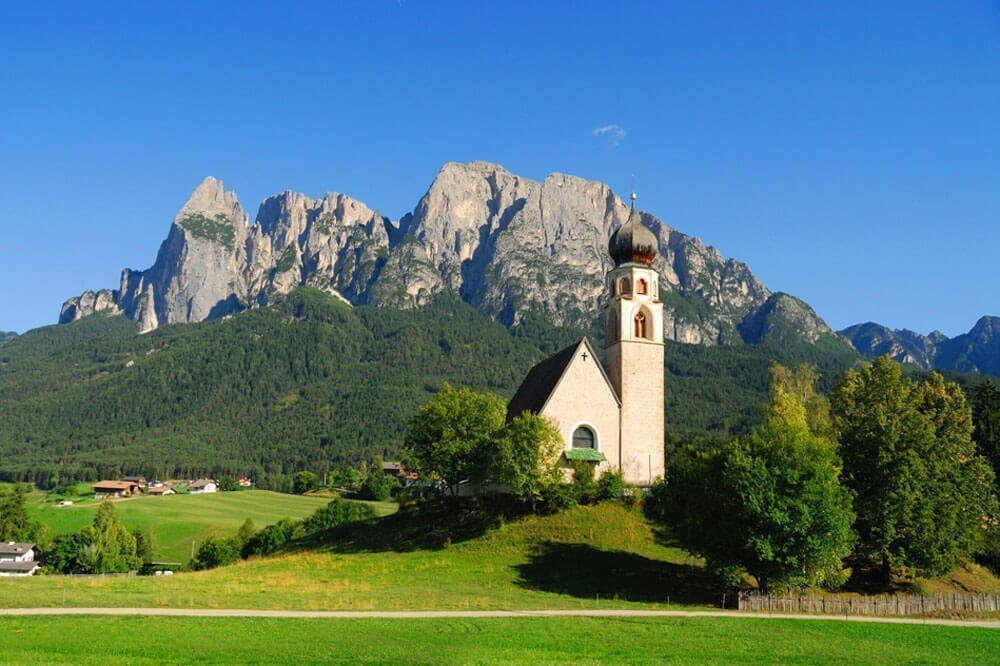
point(202, 486)
point(140, 480)
point(159, 491)
point(106, 489)
point(17, 559)
point(245, 482)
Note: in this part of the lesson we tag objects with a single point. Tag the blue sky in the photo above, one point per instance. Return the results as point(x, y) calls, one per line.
point(847, 151)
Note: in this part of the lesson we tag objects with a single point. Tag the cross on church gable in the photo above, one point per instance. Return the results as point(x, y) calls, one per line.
point(584, 356)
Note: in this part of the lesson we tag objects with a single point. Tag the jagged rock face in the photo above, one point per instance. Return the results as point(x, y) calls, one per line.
point(904, 346)
point(783, 318)
point(88, 303)
point(510, 246)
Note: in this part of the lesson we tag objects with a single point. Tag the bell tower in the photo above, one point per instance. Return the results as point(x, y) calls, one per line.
point(633, 349)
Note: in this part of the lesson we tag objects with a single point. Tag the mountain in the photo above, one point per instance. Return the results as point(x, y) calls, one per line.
point(517, 250)
point(7, 335)
point(307, 383)
point(977, 351)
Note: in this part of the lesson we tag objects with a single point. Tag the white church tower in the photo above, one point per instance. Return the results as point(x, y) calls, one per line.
point(633, 352)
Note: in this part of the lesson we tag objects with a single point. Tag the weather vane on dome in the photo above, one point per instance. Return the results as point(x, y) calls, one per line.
point(633, 191)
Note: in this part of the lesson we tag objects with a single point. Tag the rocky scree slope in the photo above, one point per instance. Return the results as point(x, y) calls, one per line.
point(513, 248)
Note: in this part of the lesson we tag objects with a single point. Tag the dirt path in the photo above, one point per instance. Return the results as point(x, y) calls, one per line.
point(339, 615)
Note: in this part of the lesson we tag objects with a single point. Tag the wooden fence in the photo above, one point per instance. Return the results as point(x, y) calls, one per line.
point(883, 604)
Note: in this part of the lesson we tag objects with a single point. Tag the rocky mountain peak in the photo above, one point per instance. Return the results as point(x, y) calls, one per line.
point(513, 247)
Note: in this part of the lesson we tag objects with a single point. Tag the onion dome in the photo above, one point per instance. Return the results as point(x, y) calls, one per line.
point(633, 242)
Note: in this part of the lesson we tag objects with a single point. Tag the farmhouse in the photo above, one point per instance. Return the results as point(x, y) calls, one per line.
point(140, 480)
point(611, 413)
point(159, 491)
point(17, 559)
point(105, 489)
point(202, 486)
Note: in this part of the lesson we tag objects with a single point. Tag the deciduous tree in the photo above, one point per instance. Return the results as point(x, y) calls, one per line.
point(452, 435)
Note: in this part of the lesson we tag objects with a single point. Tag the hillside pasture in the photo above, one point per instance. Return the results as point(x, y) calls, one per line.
point(178, 521)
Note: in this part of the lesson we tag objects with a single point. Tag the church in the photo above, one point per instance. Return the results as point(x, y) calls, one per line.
point(611, 413)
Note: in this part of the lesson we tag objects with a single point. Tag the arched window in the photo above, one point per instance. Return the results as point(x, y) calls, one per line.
point(624, 287)
point(641, 325)
point(583, 438)
point(640, 287)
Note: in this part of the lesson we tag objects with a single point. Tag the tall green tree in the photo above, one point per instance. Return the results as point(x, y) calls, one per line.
point(453, 434)
point(922, 490)
point(106, 546)
point(14, 523)
point(770, 503)
point(986, 422)
point(527, 456)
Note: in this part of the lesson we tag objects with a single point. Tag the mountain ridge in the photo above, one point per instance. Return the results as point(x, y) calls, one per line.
point(512, 247)
point(976, 351)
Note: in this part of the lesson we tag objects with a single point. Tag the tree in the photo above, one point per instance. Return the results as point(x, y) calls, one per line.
point(770, 502)
point(217, 552)
point(527, 456)
point(986, 422)
point(375, 483)
point(106, 546)
point(922, 490)
point(304, 482)
point(452, 435)
point(229, 484)
point(14, 523)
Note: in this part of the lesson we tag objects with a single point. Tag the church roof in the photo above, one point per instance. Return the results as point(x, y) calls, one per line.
point(542, 380)
point(633, 242)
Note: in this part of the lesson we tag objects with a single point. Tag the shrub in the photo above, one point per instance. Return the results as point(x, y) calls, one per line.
point(611, 486)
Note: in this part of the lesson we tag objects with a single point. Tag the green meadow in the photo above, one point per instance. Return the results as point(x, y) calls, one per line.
point(157, 640)
point(600, 556)
point(178, 521)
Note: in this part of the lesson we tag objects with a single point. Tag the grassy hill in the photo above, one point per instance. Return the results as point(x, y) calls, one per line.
point(433, 558)
point(178, 521)
point(587, 557)
point(308, 383)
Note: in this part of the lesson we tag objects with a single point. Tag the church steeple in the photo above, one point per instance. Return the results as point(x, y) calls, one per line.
point(633, 348)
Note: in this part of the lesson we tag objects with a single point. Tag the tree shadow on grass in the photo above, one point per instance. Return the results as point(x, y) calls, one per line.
point(580, 570)
point(426, 526)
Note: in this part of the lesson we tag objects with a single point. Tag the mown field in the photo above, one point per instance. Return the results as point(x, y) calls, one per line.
point(137, 640)
point(178, 521)
point(587, 557)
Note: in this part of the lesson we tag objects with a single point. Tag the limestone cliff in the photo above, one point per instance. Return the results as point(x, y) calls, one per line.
point(510, 246)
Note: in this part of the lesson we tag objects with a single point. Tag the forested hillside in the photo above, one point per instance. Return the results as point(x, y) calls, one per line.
point(309, 383)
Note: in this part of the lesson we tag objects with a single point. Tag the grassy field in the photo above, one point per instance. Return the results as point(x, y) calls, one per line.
point(102, 640)
point(177, 521)
point(586, 557)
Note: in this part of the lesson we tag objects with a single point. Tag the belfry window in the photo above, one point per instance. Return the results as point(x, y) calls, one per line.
point(624, 287)
point(641, 288)
point(641, 325)
point(583, 438)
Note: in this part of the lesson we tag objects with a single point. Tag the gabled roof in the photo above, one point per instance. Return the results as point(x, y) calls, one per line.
point(14, 548)
point(542, 380)
point(114, 485)
point(19, 567)
point(201, 483)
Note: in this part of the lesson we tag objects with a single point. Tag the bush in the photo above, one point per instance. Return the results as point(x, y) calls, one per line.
point(611, 486)
point(336, 513)
point(584, 488)
point(270, 539)
point(217, 552)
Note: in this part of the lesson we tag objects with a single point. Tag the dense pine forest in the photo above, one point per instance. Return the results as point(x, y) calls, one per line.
point(307, 384)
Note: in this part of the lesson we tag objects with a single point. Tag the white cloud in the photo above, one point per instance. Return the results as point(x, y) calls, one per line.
point(615, 134)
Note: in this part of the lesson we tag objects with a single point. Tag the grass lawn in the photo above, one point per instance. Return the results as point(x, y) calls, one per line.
point(103, 640)
point(587, 557)
point(176, 521)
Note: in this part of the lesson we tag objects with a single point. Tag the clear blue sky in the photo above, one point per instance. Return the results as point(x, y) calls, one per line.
point(848, 151)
